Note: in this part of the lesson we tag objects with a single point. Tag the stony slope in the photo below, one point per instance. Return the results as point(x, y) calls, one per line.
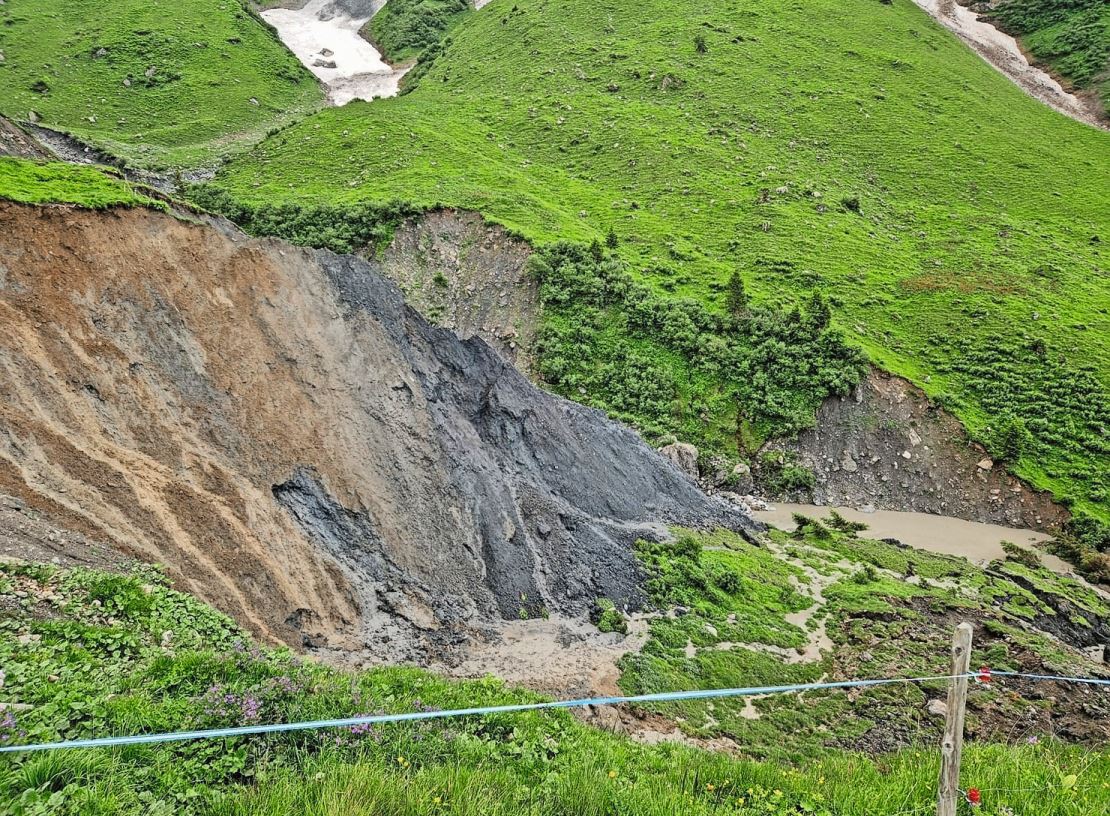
point(300, 447)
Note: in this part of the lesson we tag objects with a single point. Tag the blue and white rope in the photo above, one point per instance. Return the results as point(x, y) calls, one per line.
point(1093, 681)
point(412, 716)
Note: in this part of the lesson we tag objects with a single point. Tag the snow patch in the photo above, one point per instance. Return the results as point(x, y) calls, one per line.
point(1002, 52)
point(325, 37)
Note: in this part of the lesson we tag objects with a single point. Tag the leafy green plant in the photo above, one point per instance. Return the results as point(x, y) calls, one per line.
point(607, 618)
point(1020, 554)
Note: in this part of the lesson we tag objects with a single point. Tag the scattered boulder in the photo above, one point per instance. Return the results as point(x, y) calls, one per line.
point(740, 480)
point(682, 455)
point(322, 63)
point(986, 463)
point(938, 708)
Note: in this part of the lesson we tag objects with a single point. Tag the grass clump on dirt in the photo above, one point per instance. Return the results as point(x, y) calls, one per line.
point(824, 603)
point(31, 182)
point(155, 84)
point(88, 653)
point(954, 226)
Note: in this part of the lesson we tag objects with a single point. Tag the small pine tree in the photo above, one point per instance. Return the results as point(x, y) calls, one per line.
point(819, 312)
point(611, 239)
point(1012, 439)
point(700, 45)
point(737, 302)
point(596, 251)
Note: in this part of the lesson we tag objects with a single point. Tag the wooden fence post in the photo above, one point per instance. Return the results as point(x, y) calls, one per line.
point(948, 790)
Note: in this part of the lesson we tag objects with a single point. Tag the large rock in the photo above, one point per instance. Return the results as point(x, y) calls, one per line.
point(740, 481)
point(684, 456)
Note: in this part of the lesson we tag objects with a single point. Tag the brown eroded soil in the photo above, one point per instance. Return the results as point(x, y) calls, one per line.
point(298, 446)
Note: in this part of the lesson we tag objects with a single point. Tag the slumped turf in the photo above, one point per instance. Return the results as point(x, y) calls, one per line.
point(31, 182)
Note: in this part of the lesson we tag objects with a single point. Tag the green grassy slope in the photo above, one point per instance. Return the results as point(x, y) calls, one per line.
point(206, 60)
point(92, 654)
point(1070, 37)
point(855, 149)
point(29, 182)
point(404, 28)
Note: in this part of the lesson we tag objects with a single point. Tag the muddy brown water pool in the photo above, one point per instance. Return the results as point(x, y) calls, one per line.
point(975, 541)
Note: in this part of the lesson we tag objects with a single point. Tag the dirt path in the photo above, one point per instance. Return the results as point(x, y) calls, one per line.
point(1002, 51)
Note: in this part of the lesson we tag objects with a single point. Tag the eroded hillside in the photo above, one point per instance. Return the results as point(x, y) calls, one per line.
point(299, 446)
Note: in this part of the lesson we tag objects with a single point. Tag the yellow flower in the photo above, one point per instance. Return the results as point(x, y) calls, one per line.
point(400, 760)
point(710, 786)
point(437, 801)
point(777, 792)
point(612, 774)
point(821, 780)
point(750, 791)
point(319, 775)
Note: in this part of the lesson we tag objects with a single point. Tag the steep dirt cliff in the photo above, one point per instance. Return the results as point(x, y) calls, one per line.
point(886, 445)
point(14, 141)
point(468, 276)
point(300, 447)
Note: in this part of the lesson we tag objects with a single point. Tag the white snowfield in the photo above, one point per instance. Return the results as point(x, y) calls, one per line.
point(326, 39)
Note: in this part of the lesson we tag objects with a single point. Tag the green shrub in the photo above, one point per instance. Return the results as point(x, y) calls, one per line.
point(1011, 439)
point(842, 525)
point(607, 617)
point(780, 474)
point(1021, 555)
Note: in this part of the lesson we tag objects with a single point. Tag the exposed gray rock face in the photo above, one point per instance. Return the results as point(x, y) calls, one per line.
point(468, 276)
point(302, 448)
point(888, 447)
